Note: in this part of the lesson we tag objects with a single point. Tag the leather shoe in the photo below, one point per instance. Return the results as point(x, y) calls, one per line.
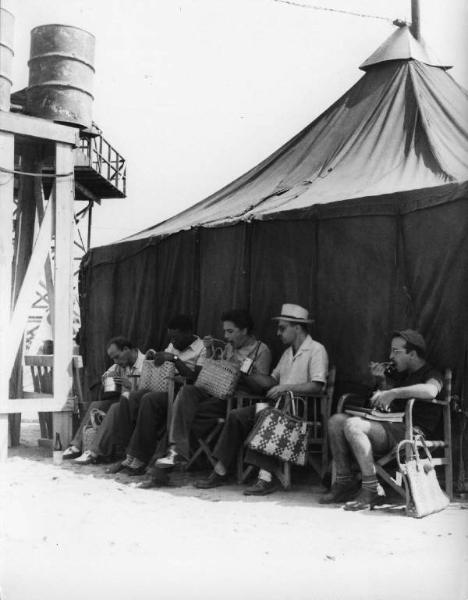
point(170, 461)
point(261, 488)
point(366, 499)
point(116, 468)
point(71, 452)
point(86, 459)
point(340, 492)
point(135, 472)
point(214, 480)
point(153, 483)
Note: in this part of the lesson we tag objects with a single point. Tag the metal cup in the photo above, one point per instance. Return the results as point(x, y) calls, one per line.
point(110, 385)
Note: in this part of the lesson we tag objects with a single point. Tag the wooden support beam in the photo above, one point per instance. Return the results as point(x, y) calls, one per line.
point(6, 259)
point(26, 296)
point(38, 403)
point(63, 343)
point(49, 278)
point(38, 128)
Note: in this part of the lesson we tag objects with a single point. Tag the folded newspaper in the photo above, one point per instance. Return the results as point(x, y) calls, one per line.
point(373, 414)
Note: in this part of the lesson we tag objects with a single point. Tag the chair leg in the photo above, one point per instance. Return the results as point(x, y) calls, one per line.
point(242, 474)
point(283, 474)
point(448, 469)
point(14, 422)
point(382, 473)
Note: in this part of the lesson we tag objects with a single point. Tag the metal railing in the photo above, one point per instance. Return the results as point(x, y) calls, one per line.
point(106, 161)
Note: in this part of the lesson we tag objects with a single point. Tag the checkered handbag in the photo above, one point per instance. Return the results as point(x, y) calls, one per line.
point(218, 377)
point(281, 434)
point(156, 379)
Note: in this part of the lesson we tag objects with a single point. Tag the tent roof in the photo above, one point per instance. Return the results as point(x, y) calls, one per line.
point(401, 45)
point(401, 127)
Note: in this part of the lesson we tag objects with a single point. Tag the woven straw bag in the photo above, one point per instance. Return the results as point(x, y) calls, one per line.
point(218, 376)
point(278, 433)
point(96, 417)
point(156, 379)
point(423, 493)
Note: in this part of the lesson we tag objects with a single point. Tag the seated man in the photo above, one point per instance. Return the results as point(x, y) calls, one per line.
point(139, 422)
point(359, 438)
point(125, 372)
point(302, 369)
point(194, 409)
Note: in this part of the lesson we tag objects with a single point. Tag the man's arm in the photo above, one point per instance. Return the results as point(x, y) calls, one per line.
point(311, 387)
point(424, 391)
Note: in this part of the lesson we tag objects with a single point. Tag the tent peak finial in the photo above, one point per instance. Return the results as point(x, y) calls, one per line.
point(401, 45)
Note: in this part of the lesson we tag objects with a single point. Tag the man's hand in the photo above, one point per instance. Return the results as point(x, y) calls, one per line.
point(382, 400)
point(162, 357)
point(124, 382)
point(275, 392)
point(377, 369)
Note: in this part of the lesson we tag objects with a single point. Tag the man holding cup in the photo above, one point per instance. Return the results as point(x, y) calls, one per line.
point(119, 380)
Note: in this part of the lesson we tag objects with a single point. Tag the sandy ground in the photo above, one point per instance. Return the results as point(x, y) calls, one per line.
point(73, 532)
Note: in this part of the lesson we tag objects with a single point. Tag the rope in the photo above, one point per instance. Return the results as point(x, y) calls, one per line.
point(335, 10)
point(51, 175)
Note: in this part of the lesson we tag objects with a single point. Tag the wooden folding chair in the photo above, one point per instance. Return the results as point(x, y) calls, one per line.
point(207, 443)
point(386, 466)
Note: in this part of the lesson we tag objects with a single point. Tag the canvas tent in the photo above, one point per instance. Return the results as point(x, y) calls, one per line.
point(361, 217)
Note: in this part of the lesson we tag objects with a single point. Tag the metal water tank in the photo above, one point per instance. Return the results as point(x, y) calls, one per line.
point(7, 22)
point(61, 74)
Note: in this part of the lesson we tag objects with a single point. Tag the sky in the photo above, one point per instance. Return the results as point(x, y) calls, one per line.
point(193, 93)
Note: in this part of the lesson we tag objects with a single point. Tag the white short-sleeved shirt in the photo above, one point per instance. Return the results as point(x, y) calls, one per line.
point(193, 355)
point(310, 363)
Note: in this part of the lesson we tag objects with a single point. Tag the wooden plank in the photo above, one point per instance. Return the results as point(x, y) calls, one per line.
point(64, 235)
point(6, 259)
point(38, 128)
point(42, 403)
point(31, 279)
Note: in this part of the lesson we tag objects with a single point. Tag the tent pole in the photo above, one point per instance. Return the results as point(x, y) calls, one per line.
point(415, 20)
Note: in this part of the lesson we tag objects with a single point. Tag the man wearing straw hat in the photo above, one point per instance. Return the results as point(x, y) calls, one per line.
point(302, 369)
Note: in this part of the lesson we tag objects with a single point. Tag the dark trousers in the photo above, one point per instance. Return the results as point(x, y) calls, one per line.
point(128, 414)
point(238, 425)
point(150, 425)
point(194, 414)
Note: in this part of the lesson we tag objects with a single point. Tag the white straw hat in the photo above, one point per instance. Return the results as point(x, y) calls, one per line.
point(294, 313)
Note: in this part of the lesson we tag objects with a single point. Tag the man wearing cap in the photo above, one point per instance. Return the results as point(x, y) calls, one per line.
point(302, 369)
point(353, 436)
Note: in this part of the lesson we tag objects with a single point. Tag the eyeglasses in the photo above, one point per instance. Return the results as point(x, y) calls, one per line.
point(396, 350)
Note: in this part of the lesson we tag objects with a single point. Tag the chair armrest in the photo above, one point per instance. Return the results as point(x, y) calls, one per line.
point(432, 401)
point(346, 399)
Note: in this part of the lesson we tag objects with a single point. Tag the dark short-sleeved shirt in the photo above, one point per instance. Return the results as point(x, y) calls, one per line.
point(425, 416)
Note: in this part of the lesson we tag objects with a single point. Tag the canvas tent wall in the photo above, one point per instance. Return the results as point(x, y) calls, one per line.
point(361, 217)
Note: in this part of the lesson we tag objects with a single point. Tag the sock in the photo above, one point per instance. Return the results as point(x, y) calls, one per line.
point(128, 461)
point(136, 463)
point(265, 475)
point(369, 482)
point(220, 469)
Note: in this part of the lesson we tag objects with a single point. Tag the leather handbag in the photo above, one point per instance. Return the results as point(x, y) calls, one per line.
point(218, 376)
point(156, 379)
point(279, 433)
point(423, 493)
